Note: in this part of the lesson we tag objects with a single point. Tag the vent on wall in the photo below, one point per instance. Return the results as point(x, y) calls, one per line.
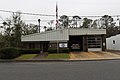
point(113, 41)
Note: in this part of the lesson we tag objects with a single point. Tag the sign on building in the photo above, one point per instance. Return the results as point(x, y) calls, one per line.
point(63, 45)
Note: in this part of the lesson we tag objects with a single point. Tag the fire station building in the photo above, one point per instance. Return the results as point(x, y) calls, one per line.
point(74, 39)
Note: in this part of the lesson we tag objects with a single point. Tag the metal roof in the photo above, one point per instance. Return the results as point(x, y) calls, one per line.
point(62, 34)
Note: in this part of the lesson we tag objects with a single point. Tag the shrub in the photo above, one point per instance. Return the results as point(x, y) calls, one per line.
point(52, 50)
point(29, 51)
point(9, 53)
point(61, 50)
point(64, 50)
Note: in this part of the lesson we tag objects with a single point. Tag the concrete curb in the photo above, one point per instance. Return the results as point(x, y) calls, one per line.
point(53, 60)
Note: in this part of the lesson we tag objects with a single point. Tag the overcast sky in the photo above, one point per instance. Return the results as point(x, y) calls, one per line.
point(67, 7)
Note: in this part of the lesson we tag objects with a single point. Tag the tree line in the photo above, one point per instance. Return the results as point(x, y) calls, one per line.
point(14, 27)
point(105, 22)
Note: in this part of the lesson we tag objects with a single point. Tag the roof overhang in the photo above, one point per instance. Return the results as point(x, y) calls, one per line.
point(62, 34)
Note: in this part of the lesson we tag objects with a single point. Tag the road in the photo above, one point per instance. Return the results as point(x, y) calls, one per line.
point(84, 70)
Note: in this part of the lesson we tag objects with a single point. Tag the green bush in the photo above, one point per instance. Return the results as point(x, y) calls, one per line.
point(29, 51)
point(9, 53)
point(61, 50)
point(52, 50)
point(64, 50)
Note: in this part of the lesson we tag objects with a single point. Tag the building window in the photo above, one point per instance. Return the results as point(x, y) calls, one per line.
point(113, 41)
point(75, 46)
point(53, 45)
point(94, 42)
point(31, 45)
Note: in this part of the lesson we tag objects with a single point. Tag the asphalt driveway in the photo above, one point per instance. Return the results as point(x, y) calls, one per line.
point(93, 55)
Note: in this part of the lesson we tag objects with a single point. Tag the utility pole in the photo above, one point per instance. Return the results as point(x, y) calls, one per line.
point(39, 25)
point(118, 22)
point(57, 22)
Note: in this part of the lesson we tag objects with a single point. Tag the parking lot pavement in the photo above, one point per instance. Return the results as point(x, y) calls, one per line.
point(93, 55)
point(114, 51)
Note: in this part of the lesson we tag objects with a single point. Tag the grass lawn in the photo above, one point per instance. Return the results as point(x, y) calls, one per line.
point(58, 56)
point(26, 56)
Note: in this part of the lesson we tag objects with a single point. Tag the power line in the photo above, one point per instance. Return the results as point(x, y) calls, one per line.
point(36, 14)
point(50, 15)
point(30, 20)
point(2, 19)
point(26, 13)
point(44, 20)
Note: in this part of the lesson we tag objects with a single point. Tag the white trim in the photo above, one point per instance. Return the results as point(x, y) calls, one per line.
point(94, 49)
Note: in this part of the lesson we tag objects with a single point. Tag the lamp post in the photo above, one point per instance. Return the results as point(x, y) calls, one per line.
point(39, 25)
